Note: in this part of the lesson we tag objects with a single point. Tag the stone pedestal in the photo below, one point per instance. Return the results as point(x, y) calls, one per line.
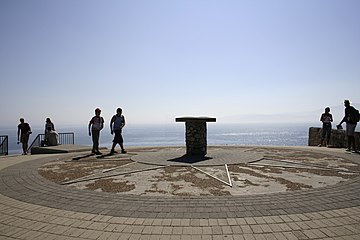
point(196, 134)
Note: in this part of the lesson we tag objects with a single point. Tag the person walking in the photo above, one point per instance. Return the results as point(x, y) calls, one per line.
point(116, 125)
point(326, 118)
point(23, 133)
point(351, 118)
point(95, 125)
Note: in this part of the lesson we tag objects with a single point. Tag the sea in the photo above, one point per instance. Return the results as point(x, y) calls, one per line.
point(136, 135)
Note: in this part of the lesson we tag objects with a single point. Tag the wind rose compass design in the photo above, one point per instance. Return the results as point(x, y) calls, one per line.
point(225, 170)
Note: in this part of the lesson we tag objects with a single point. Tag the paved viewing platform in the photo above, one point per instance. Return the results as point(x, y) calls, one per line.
point(234, 192)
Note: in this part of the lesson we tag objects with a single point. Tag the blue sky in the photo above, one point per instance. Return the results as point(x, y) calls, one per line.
point(162, 59)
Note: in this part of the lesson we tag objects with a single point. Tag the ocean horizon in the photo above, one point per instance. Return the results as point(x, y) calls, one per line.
point(137, 135)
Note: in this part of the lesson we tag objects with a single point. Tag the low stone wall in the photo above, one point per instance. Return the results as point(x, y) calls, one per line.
point(338, 138)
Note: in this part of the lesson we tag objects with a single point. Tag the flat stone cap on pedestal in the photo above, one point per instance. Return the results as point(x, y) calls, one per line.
point(195, 119)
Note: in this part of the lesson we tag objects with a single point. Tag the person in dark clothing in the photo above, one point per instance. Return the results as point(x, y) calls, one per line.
point(350, 125)
point(23, 134)
point(326, 118)
point(49, 124)
point(95, 125)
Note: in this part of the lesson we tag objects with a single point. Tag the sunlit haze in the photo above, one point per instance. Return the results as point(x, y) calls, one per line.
point(233, 60)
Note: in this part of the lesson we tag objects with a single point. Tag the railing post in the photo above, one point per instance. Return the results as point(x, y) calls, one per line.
point(36, 142)
point(4, 145)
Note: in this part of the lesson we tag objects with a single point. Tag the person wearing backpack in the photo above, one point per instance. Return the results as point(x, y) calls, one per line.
point(351, 118)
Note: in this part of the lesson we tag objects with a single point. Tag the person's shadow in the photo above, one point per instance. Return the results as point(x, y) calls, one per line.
point(189, 159)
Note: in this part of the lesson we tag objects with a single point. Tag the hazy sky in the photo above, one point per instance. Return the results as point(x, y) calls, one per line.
point(162, 59)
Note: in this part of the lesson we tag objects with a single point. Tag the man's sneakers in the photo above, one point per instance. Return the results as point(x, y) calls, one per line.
point(352, 151)
point(96, 152)
point(113, 151)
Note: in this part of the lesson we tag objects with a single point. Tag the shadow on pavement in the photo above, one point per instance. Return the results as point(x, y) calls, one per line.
point(189, 159)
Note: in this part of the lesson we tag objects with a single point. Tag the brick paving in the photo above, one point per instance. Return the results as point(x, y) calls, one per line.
point(32, 207)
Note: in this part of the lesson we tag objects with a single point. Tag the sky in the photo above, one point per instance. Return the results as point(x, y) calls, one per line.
point(162, 59)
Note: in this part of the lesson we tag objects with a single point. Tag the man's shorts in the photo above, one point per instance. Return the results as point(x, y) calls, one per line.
point(350, 129)
point(118, 137)
point(24, 138)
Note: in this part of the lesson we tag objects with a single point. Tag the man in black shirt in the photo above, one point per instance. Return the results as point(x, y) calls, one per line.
point(350, 125)
point(24, 132)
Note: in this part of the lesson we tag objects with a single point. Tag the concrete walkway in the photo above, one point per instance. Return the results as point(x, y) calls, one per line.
point(32, 207)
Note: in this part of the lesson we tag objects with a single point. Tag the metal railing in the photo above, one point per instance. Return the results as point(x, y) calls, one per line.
point(64, 138)
point(4, 145)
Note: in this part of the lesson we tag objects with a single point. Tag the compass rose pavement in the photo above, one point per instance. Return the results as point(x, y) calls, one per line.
point(234, 192)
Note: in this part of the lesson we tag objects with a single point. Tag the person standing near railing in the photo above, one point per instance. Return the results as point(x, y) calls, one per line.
point(96, 124)
point(351, 118)
point(51, 138)
point(23, 133)
point(49, 124)
point(326, 118)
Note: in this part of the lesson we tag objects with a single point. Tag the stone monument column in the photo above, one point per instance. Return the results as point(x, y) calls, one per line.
point(196, 134)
